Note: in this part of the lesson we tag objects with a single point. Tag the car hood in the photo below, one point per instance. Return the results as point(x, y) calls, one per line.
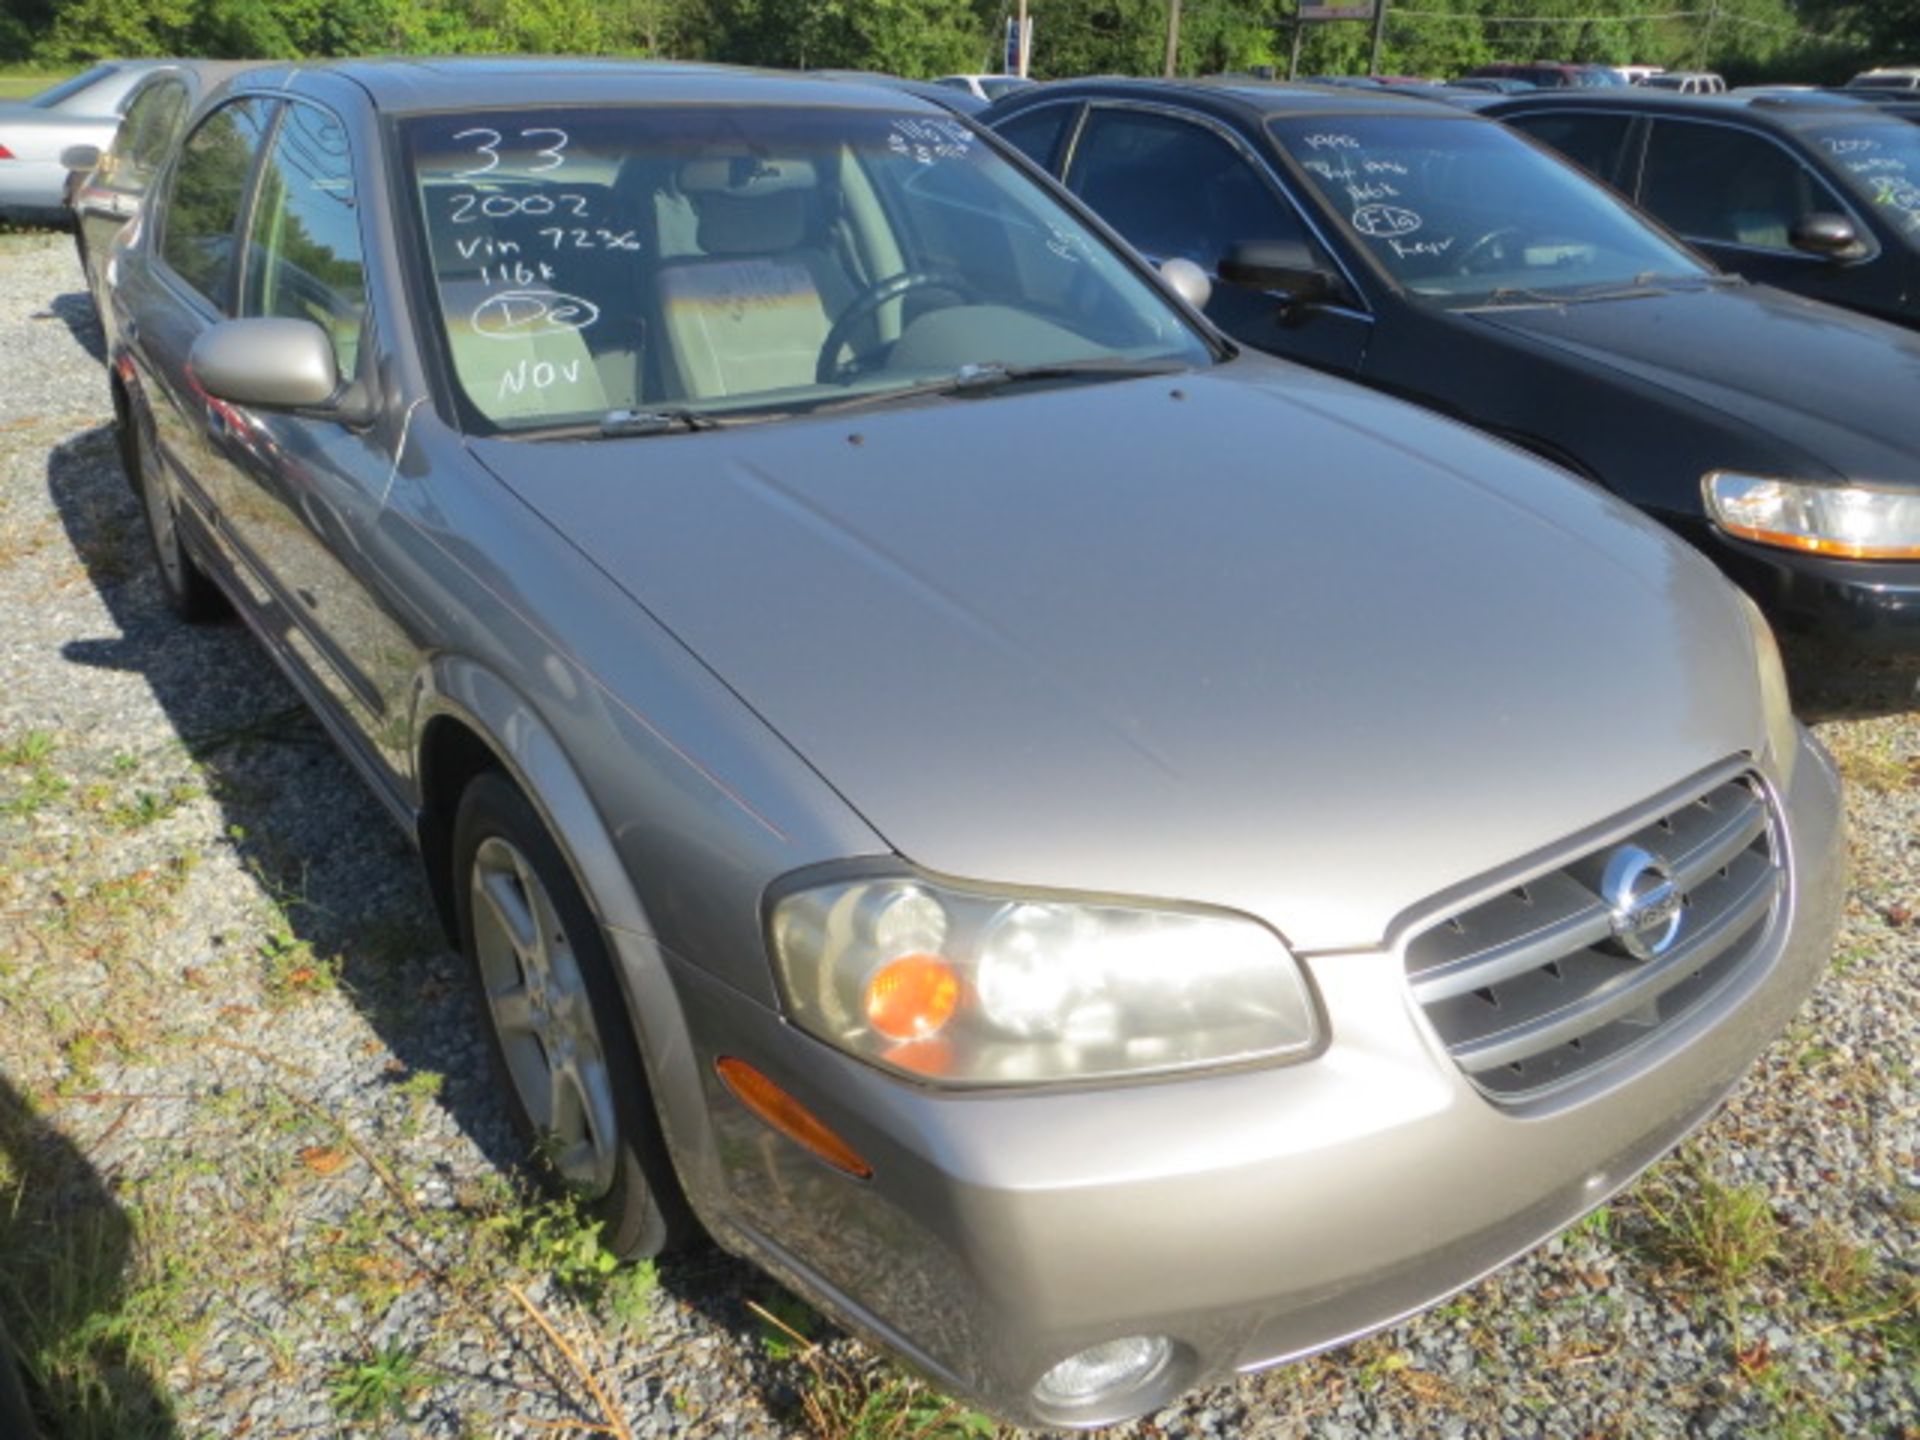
point(1841, 388)
point(1251, 637)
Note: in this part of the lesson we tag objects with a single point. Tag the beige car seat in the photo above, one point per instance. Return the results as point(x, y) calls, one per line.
point(751, 310)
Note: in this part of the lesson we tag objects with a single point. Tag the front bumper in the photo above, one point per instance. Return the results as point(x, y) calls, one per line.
point(1253, 1216)
point(1845, 609)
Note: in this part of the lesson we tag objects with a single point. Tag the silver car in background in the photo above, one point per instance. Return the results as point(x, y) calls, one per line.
point(35, 132)
point(107, 185)
point(1099, 860)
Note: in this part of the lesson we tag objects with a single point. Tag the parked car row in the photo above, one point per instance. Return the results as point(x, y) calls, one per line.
point(1822, 200)
point(1032, 819)
point(1443, 258)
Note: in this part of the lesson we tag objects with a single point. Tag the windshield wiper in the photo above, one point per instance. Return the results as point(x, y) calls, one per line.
point(1647, 282)
point(618, 423)
point(992, 375)
point(1511, 296)
point(1705, 277)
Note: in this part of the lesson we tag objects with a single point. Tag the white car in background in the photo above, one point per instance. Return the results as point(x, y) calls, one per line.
point(1889, 77)
point(1687, 82)
point(986, 87)
point(85, 110)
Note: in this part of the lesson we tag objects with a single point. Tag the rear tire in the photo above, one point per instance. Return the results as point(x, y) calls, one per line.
point(189, 592)
point(557, 1026)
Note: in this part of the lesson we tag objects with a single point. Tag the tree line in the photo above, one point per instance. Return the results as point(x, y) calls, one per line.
point(1745, 39)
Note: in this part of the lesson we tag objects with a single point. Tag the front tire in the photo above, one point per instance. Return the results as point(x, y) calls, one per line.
point(557, 1028)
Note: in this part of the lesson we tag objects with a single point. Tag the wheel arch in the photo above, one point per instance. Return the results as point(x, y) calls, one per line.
point(469, 720)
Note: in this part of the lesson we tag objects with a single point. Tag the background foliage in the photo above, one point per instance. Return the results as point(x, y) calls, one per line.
point(1746, 39)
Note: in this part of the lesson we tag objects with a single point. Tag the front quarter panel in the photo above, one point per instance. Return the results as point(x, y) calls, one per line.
point(702, 803)
point(674, 805)
point(1643, 443)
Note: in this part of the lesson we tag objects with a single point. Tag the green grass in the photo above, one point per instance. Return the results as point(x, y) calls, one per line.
point(19, 84)
point(381, 1387)
point(1720, 1233)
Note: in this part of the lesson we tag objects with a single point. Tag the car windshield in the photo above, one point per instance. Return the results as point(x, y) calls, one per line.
point(1879, 161)
point(633, 265)
point(1464, 211)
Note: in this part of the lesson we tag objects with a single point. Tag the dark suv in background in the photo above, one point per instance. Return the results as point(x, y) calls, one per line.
point(1812, 196)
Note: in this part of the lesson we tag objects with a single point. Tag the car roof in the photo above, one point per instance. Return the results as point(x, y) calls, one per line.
point(205, 73)
point(403, 84)
point(1250, 98)
point(1776, 111)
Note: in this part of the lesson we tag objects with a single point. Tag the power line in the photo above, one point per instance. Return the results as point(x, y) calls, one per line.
point(1716, 15)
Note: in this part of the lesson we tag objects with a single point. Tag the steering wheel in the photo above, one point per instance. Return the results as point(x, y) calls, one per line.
point(830, 369)
point(1485, 247)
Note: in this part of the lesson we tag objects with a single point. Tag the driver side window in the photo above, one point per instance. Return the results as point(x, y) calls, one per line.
point(1715, 183)
point(1175, 188)
point(304, 253)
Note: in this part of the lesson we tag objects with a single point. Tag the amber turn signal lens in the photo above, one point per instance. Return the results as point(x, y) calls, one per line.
point(912, 997)
point(789, 1116)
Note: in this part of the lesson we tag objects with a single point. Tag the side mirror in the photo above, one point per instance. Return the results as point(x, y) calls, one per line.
point(80, 157)
point(1824, 233)
point(1284, 267)
point(267, 364)
point(1188, 280)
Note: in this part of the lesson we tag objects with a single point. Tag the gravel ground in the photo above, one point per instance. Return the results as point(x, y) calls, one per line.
point(256, 1173)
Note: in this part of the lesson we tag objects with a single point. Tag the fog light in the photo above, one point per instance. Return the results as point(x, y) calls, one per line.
point(1103, 1371)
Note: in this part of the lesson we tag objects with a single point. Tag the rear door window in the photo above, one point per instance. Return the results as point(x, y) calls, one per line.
point(1728, 186)
point(143, 138)
point(304, 256)
point(1598, 144)
point(1036, 133)
point(209, 188)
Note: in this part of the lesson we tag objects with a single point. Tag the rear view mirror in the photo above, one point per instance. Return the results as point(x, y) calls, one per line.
point(1285, 267)
point(269, 364)
point(80, 157)
point(1824, 233)
point(1188, 280)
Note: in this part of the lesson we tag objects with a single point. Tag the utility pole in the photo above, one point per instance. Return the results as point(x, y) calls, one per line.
point(1293, 60)
point(1173, 38)
point(1020, 42)
point(1703, 47)
point(1379, 35)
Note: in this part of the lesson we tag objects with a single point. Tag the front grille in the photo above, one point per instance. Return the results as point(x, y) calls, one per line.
point(1532, 988)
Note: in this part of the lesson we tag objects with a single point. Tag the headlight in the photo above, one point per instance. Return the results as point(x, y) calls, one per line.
point(966, 988)
point(1856, 522)
point(1783, 731)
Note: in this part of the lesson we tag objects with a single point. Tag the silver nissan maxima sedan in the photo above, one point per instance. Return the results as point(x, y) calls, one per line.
point(1100, 860)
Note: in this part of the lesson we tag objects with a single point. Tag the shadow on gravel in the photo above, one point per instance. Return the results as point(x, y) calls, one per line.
point(347, 882)
point(65, 1253)
point(75, 311)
